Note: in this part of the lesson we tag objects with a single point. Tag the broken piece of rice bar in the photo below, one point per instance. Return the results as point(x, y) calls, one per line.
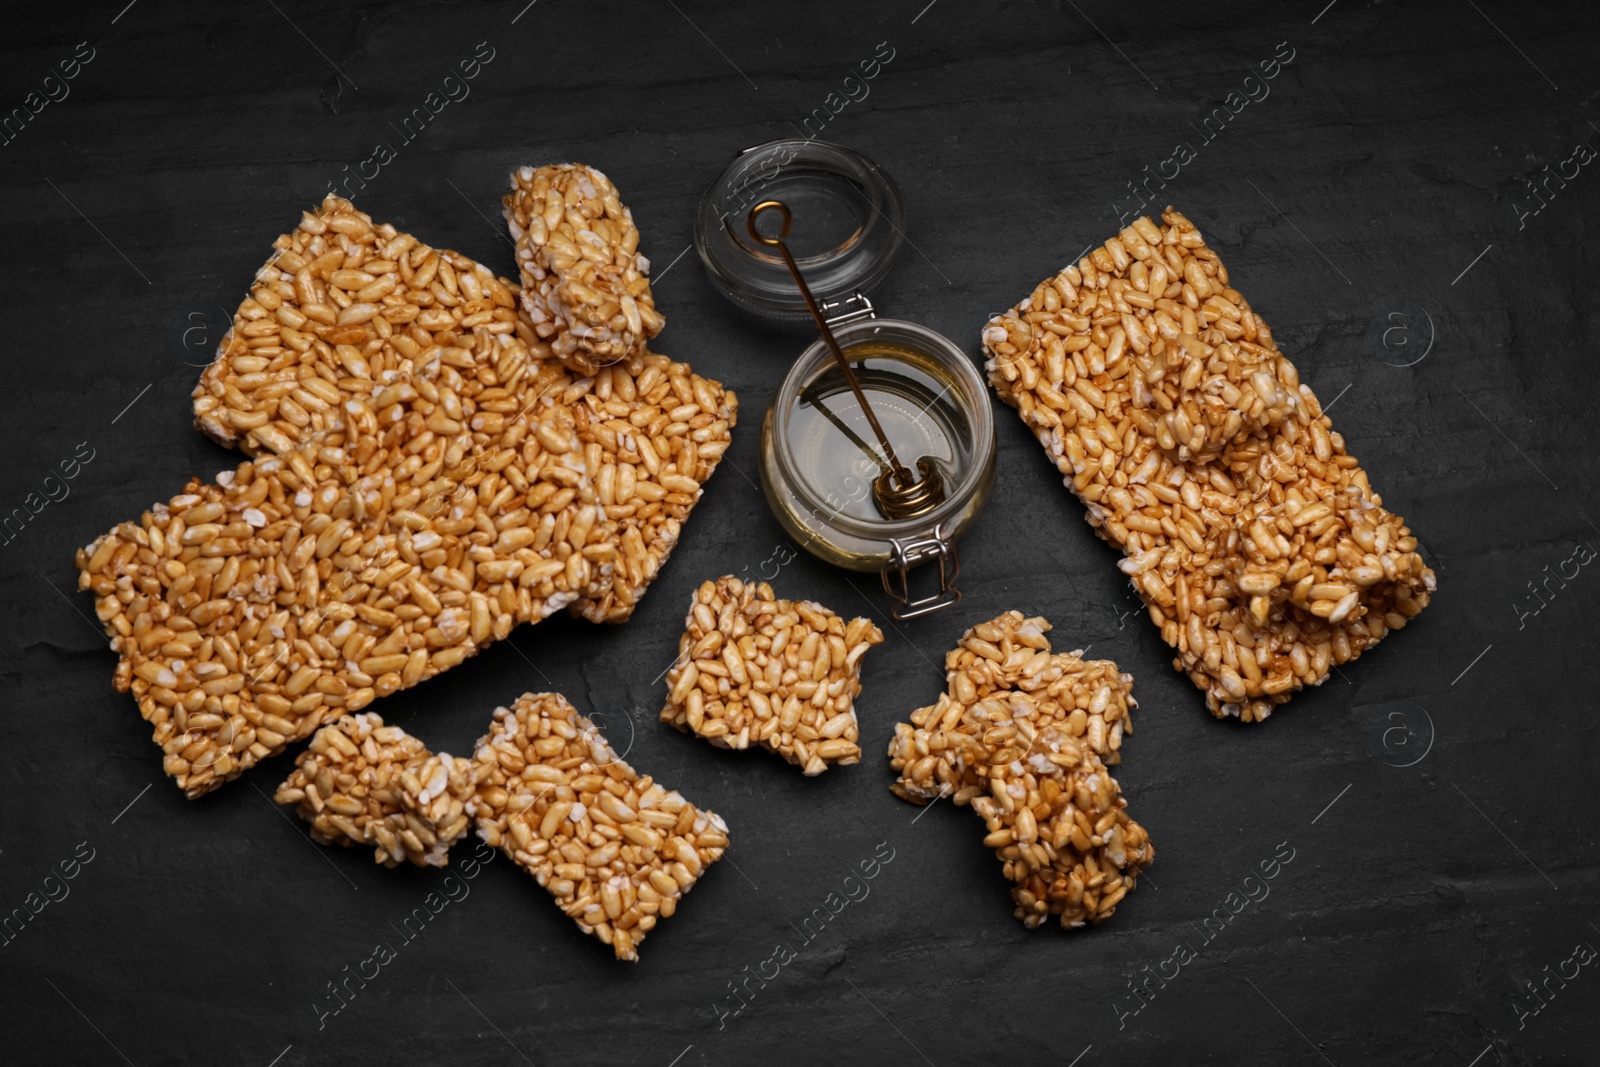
point(1023, 736)
point(360, 782)
point(1066, 842)
point(615, 849)
point(782, 674)
point(1256, 542)
point(585, 285)
point(423, 482)
point(1011, 652)
point(1056, 818)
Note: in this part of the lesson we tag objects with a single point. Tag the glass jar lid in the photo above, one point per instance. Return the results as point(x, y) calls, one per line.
point(849, 226)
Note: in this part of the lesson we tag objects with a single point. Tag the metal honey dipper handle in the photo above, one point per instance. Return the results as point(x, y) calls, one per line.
point(898, 492)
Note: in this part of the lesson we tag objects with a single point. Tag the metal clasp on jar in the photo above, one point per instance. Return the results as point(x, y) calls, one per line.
point(859, 308)
point(906, 553)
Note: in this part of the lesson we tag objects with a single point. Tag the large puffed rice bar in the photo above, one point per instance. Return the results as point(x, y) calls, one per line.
point(424, 481)
point(616, 850)
point(1030, 766)
point(1254, 539)
point(781, 674)
point(585, 285)
point(638, 438)
point(360, 782)
point(1011, 652)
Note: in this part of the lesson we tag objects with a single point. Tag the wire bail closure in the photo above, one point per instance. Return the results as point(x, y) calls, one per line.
point(898, 491)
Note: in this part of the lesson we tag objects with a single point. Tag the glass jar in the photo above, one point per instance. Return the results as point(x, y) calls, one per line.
point(817, 467)
point(819, 457)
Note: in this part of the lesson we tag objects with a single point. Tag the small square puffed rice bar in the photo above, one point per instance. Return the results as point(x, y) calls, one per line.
point(360, 782)
point(584, 283)
point(1056, 818)
point(615, 849)
point(782, 674)
point(1254, 539)
point(1011, 652)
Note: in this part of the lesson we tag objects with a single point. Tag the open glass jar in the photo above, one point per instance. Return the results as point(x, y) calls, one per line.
point(820, 453)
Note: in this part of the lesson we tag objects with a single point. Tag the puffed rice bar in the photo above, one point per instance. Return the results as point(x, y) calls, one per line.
point(360, 782)
point(1020, 723)
point(649, 431)
point(1028, 764)
point(421, 486)
point(1059, 826)
point(1055, 817)
point(1254, 539)
point(781, 674)
point(585, 286)
point(1011, 652)
point(616, 850)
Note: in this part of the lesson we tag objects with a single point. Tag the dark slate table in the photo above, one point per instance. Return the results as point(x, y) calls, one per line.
point(1405, 197)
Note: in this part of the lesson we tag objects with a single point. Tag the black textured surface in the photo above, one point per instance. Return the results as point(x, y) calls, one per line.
point(1437, 797)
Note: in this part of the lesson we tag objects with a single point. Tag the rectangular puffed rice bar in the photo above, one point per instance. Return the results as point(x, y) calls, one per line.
point(1254, 539)
point(1027, 761)
point(615, 849)
point(647, 431)
point(424, 480)
point(781, 674)
point(360, 782)
point(584, 284)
